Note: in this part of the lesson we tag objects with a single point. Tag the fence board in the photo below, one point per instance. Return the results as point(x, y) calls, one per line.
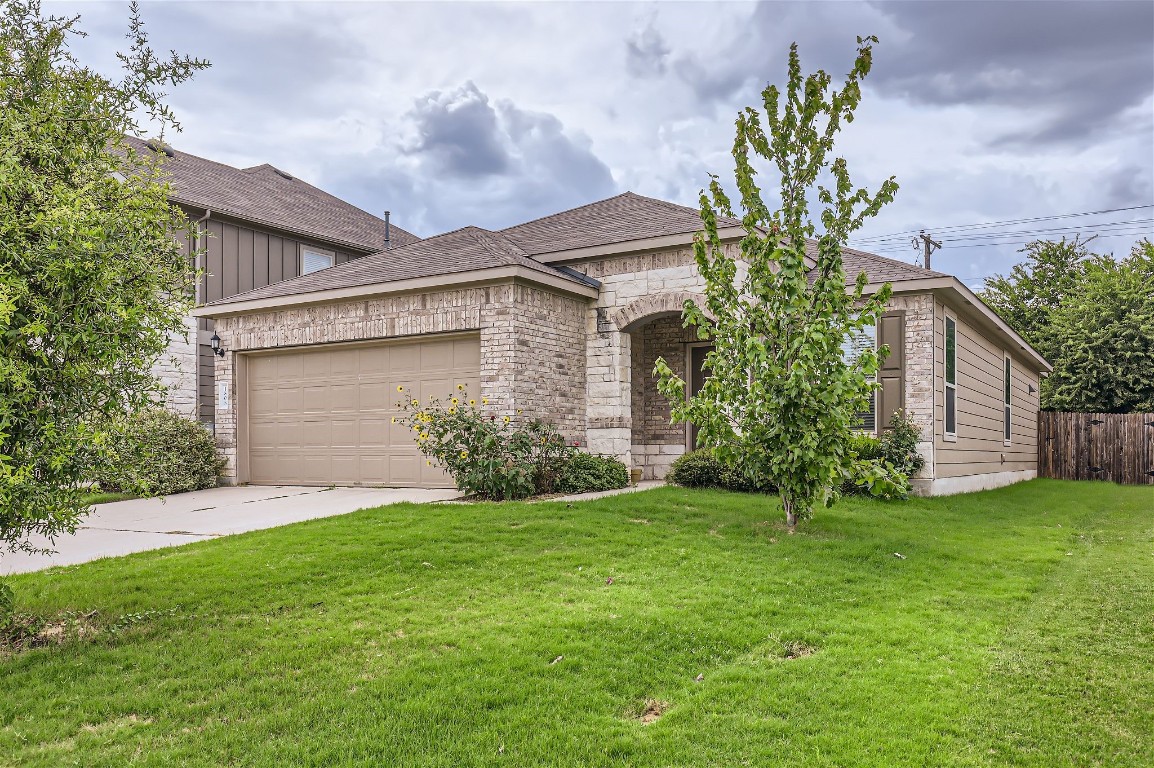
point(1116, 447)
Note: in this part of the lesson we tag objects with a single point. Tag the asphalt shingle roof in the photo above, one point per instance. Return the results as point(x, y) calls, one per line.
point(619, 219)
point(263, 195)
point(462, 250)
point(878, 269)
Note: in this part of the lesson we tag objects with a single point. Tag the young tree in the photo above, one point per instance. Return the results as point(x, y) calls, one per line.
point(92, 282)
point(780, 402)
point(1028, 296)
point(1103, 334)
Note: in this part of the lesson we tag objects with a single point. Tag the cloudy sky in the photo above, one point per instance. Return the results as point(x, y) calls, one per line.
point(491, 114)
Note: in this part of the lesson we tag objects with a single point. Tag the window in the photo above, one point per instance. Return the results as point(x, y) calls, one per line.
point(1006, 401)
point(312, 260)
point(951, 377)
point(851, 350)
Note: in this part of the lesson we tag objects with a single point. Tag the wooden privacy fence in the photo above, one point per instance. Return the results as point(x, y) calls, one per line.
point(1116, 447)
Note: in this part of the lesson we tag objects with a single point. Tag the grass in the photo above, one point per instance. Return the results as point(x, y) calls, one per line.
point(105, 498)
point(1017, 630)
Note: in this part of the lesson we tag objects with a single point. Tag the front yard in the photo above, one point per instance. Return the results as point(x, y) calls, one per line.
point(670, 627)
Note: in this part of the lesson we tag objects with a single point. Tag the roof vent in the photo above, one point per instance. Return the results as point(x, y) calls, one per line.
point(282, 174)
point(156, 145)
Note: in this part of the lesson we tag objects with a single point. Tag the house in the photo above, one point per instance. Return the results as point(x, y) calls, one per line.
point(263, 226)
point(562, 318)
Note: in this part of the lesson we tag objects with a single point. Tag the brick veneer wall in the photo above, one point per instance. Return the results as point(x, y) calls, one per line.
point(532, 345)
point(176, 371)
point(919, 373)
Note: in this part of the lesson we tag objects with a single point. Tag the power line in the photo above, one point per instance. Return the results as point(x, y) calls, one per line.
point(1115, 229)
point(1006, 222)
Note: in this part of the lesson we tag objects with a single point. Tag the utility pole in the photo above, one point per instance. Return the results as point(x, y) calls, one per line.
point(927, 243)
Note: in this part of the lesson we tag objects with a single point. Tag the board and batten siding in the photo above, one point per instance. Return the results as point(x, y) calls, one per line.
point(979, 447)
point(238, 258)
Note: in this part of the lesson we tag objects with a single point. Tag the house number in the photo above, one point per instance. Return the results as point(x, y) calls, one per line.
point(222, 396)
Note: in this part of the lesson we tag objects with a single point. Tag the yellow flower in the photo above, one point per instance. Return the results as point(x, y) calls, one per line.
point(416, 402)
point(506, 419)
point(452, 411)
point(400, 388)
point(519, 411)
point(394, 419)
point(464, 454)
point(484, 401)
point(472, 402)
point(454, 401)
point(428, 463)
point(461, 387)
point(423, 436)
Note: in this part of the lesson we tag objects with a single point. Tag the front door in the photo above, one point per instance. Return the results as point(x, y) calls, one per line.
point(698, 373)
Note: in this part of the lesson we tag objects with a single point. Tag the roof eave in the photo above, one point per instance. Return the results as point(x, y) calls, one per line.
point(313, 236)
point(978, 309)
point(470, 278)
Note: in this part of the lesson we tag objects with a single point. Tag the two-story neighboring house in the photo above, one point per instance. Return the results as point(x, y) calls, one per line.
point(263, 226)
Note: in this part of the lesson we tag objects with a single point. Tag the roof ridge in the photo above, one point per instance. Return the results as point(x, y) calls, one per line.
point(569, 210)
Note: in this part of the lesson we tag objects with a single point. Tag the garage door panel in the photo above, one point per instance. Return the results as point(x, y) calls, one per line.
point(405, 469)
point(405, 358)
point(345, 433)
point(262, 401)
point(315, 365)
point(289, 399)
point(315, 433)
point(324, 416)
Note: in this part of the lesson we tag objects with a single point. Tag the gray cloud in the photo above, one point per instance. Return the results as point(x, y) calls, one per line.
point(474, 161)
point(646, 52)
point(1074, 67)
point(459, 132)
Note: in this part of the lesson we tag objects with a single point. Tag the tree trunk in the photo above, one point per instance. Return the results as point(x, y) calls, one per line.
point(790, 513)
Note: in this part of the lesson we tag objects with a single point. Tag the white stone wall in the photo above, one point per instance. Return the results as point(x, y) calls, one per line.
point(175, 370)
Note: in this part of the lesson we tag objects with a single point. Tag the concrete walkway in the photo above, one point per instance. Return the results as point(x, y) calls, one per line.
point(644, 485)
point(124, 527)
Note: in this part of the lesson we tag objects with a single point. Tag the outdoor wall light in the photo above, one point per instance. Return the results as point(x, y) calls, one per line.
point(215, 342)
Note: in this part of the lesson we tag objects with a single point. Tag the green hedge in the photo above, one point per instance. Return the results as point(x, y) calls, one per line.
point(585, 473)
point(701, 469)
point(158, 453)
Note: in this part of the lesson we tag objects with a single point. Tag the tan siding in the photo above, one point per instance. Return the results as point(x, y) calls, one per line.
point(979, 447)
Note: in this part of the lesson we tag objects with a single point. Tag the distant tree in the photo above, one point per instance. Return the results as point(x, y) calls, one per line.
point(1028, 296)
point(92, 283)
point(780, 402)
point(1103, 337)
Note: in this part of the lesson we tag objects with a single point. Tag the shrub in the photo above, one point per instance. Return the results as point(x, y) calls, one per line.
point(701, 469)
point(494, 458)
point(158, 453)
point(884, 465)
point(899, 445)
point(586, 473)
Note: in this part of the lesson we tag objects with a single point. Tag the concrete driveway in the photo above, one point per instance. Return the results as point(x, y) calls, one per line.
point(138, 525)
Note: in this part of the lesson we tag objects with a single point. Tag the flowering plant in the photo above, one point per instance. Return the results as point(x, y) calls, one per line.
point(491, 456)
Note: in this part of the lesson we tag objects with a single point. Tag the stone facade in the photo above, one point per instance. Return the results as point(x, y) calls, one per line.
point(635, 289)
point(176, 371)
point(532, 347)
point(919, 372)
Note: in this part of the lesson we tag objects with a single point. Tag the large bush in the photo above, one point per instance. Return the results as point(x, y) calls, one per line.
point(586, 473)
point(486, 455)
point(157, 453)
point(701, 469)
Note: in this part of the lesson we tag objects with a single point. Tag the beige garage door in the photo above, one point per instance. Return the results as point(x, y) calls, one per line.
point(323, 416)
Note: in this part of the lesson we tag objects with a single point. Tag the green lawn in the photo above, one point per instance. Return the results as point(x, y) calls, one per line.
point(1017, 630)
point(102, 497)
